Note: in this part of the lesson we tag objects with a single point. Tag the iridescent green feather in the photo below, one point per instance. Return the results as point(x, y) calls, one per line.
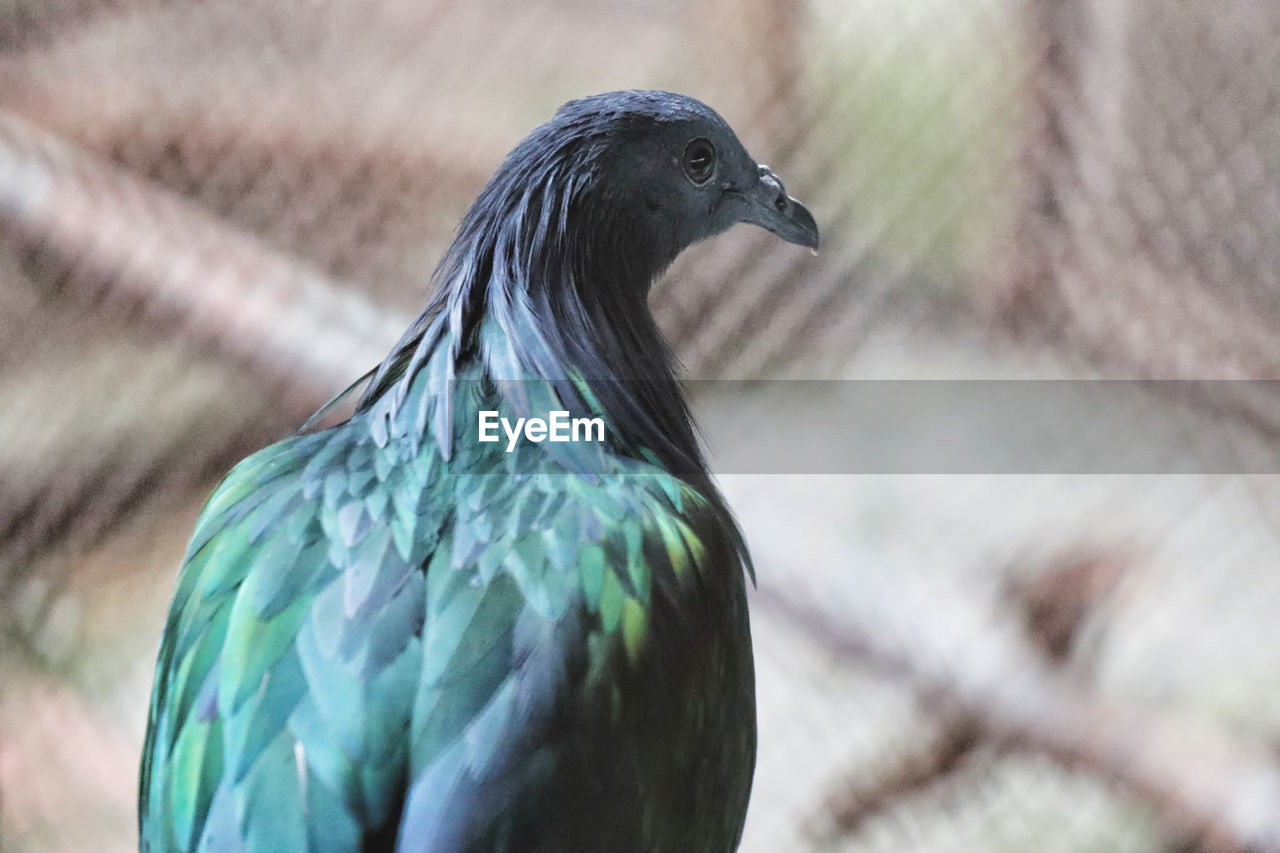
point(356, 622)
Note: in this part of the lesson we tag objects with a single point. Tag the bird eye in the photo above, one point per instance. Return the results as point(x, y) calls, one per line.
point(699, 160)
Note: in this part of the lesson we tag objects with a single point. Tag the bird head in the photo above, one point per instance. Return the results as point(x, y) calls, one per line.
point(670, 165)
point(613, 187)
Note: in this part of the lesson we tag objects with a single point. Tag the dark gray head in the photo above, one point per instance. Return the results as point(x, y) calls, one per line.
point(678, 161)
point(616, 185)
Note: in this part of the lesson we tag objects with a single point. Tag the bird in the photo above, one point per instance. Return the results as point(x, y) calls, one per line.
point(388, 634)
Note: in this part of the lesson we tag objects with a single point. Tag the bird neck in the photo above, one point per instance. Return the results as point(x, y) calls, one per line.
point(532, 294)
point(574, 313)
point(523, 296)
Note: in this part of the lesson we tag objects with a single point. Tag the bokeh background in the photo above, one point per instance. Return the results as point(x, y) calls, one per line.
point(214, 214)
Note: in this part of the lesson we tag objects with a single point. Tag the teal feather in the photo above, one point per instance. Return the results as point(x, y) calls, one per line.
point(339, 696)
point(270, 807)
point(330, 826)
point(326, 762)
point(262, 717)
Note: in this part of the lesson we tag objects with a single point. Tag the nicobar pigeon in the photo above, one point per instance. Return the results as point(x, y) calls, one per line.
point(390, 635)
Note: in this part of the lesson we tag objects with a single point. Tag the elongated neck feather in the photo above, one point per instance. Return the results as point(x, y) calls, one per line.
point(548, 278)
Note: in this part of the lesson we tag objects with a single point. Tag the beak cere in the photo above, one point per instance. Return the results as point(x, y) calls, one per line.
point(772, 209)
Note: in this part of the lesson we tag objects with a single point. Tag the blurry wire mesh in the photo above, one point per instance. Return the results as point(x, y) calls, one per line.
point(213, 215)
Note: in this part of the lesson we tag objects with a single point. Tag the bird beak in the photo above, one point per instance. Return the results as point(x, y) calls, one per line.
point(769, 206)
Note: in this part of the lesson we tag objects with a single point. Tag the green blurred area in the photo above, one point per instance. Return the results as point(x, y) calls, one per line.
point(924, 99)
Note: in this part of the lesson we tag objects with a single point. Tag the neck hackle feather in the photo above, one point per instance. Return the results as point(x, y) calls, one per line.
point(562, 266)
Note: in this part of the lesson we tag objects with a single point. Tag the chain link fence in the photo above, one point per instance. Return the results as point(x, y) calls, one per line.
point(214, 214)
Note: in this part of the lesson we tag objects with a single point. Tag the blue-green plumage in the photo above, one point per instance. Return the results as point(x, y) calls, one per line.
point(391, 635)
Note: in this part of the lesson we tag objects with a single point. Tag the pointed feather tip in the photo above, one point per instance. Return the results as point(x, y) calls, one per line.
point(444, 442)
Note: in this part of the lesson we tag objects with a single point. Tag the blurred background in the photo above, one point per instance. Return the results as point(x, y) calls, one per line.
point(214, 214)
